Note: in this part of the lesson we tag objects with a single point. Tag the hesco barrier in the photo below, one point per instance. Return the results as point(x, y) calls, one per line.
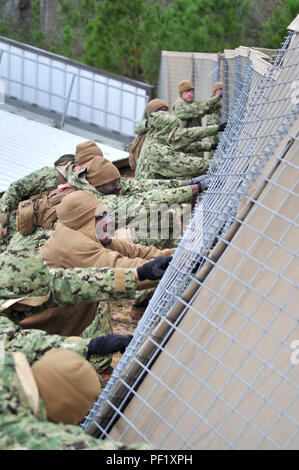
point(214, 360)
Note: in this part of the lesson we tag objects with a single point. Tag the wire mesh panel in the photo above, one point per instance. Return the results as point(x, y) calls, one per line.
point(214, 360)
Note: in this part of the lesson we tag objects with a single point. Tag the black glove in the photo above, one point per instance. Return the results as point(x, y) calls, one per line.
point(154, 269)
point(214, 146)
point(202, 182)
point(222, 126)
point(108, 344)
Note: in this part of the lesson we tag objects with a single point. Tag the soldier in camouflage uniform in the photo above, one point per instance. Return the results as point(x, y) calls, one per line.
point(136, 196)
point(191, 112)
point(28, 289)
point(161, 154)
point(46, 392)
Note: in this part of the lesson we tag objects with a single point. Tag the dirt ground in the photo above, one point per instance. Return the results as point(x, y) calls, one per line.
point(122, 322)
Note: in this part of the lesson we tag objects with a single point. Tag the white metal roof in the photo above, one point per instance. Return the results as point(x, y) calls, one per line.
point(27, 145)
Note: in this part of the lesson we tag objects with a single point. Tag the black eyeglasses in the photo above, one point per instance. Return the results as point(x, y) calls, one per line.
point(100, 217)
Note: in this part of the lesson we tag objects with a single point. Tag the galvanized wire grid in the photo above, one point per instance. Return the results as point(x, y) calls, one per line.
point(205, 368)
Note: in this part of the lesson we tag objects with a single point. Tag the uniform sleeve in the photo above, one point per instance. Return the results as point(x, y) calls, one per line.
point(185, 110)
point(149, 200)
point(199, 146)
point(23, 188)
point(132, 206)
point(131, 186)
point(77, 285)
point(141, 127)
point(133, 251)
point(184, 136)
point(35, 343)
point(180, 165)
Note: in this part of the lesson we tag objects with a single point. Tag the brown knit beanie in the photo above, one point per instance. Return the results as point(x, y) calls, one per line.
point(155, 105)
point(100, 171)
point(217, 86)
point(86, 151)
point(185, 85)
point(68, 385)
point(77, 208)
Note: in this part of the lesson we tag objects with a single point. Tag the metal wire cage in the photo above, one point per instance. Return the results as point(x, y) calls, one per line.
point(214, 360)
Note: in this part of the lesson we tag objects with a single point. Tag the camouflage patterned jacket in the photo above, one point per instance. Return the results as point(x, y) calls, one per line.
point(161, 155)
point(190, 114)
point(137, 196)
point(125, 208)
point(24, 275)
point(23, 416)
point(141, 127)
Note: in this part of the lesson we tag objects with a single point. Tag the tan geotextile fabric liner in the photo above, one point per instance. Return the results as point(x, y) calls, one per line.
point(178, 67)
point(204, 64)
point(257, 372)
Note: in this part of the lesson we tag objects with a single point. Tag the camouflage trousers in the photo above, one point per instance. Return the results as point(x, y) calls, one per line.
point(142, 297)
point(100, 326)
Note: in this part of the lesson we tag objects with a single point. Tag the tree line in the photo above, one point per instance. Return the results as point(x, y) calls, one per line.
point(126, 37)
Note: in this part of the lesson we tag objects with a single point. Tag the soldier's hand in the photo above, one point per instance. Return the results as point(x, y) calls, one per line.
point(202, 182)
point(222, 126)
point(154, 269)
point(214, 146)
point(108, 344)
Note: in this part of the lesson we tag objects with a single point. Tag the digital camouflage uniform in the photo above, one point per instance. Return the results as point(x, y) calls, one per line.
point(191, 114)
point(162, 156)
point(141, 127)
point(20, 429)
point(23, 273)
point(135, 201)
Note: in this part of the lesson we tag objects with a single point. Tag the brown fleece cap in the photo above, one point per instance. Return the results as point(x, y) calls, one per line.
point(86, 151)
point(217, 86)
point(77, 208)
point(155, 105)
point(68, 385)
point(100, 171)
point(185, 85)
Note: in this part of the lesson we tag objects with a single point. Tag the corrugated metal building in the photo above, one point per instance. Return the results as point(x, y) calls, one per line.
point(27, 145)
